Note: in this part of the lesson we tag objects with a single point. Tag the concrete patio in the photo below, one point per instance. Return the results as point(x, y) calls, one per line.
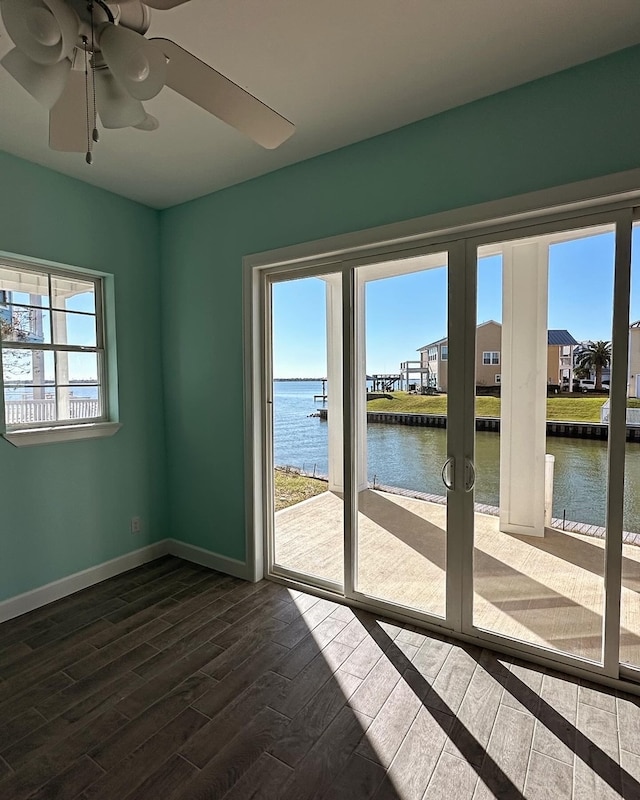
point(546, 591)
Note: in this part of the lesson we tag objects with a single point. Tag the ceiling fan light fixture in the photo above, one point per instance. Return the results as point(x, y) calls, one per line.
point(116, 108)
point(150, 123)
point(45, 83)
point(44, 30)
point(138, 67)
point(43, 27)
point(135, 63)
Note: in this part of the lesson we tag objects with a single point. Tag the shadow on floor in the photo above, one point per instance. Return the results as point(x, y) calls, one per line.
point(477, 756)
point(574, 629)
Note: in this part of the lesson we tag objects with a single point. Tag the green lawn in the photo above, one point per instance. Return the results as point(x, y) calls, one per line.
point(578, 407)
point(291, 488)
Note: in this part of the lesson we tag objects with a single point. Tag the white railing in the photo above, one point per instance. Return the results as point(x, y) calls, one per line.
point(633, 415)
point(28, 411)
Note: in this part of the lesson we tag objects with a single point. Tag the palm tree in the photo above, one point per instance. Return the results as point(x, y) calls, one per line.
point(595, 356)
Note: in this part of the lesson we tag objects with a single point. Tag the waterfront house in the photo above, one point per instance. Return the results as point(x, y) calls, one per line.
point(634, 360)
point(560, 350)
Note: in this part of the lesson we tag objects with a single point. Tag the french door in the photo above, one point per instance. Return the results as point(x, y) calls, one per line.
point(473, 516)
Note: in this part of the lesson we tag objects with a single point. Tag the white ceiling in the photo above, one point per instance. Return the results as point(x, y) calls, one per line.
point(341, 70)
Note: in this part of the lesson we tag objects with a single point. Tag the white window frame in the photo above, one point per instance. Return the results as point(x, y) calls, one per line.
point(59, 430)
point(497, 378)
point(444, 352)
point(491, 362)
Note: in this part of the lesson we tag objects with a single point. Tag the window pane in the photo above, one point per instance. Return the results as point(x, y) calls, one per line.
point(28, 405)
point(402, 523)
point(20, 324)
point(309, 517)
point(79, 402)
point(22, 286)
point(77, 368)
point(542, 485)
point(75, 329)
point(73, 295)
point(27, 367)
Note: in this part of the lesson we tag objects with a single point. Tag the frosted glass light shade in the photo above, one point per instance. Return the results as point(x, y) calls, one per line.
point(135, 63)
point(150, 123)
point(116, 108)
point(44, 30)
point(45, 83)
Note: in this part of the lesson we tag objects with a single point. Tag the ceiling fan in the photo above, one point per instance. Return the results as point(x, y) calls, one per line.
point(84, 59)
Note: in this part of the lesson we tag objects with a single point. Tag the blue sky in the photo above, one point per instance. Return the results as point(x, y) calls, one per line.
point(407, 312)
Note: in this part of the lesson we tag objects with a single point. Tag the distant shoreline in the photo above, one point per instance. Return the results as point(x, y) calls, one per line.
point(314, 380)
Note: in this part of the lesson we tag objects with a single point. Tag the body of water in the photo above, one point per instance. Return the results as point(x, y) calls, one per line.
point(412, 458)
point(79, 390)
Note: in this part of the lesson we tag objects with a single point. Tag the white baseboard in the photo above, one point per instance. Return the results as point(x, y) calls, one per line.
point(206, 558)
point(23, 603)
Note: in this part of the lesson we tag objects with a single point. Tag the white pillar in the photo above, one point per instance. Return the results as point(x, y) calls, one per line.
point(549, 463)
point(334, 385)
point(334, 382)
point(59, 323)
point(362, 482)
point(523, 387)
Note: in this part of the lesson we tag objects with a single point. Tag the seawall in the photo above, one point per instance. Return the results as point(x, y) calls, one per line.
point(569, 429)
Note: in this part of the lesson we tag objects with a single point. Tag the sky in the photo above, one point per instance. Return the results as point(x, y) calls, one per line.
point(406, 312)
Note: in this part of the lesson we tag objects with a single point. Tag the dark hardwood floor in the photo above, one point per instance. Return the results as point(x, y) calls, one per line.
point(175, 682)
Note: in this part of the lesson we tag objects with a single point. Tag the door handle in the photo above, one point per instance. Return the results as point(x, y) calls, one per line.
point(469, 475)
point(448, 468)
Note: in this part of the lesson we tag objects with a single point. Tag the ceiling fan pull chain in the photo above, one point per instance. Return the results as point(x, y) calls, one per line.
point(96, 135)
point(89, 156)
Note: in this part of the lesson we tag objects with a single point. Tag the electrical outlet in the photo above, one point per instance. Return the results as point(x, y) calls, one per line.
point(136, 524)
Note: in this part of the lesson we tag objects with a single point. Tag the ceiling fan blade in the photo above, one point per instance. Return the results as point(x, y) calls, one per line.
point(223, 98)
point(164, 5)
point(68, 117)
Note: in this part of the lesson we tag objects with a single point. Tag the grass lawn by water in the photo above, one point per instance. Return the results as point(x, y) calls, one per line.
point(576, 407)
point(291, 488)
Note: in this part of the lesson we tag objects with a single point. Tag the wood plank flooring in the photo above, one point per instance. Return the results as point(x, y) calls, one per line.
point(176, 682)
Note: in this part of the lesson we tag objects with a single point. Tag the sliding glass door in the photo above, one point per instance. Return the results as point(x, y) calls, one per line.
point(403, 470)
point(540, 527)
point(304, 409)
point(450, 436)
point(381, 387)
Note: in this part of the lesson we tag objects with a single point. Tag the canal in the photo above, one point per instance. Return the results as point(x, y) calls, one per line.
point(411, 458)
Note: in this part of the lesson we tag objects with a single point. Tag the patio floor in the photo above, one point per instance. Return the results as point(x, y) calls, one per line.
point(546, 591)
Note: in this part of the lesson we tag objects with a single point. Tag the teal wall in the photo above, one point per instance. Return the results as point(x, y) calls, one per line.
point(574, 125)
point(67, 507)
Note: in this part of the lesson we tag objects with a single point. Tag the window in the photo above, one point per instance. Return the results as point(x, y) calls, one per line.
point(497, 378)
point(491, 357)
point(52, 346)
point(433, 353)
point(444, 352)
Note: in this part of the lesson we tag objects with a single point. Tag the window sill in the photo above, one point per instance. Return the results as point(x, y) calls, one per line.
point(28, 437)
